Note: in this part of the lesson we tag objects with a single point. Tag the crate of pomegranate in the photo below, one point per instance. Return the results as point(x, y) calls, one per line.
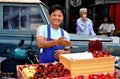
point(87, 63)
point(43, 71)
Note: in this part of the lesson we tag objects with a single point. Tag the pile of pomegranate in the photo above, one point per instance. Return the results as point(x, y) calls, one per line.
point(95, 47)
point(51, 70)
point(43, 71)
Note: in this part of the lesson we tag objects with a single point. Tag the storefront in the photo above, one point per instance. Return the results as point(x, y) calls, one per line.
point(112, 9)
point(96, 10)
point(72, 11)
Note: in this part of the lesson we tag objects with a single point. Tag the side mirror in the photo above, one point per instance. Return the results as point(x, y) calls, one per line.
point(21, 43)
point(32, 37)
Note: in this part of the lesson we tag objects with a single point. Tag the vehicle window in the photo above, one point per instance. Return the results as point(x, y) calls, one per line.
point(46, 11)
point(22, 18)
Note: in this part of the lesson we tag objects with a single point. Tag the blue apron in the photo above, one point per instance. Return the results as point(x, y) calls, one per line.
point(47, 55)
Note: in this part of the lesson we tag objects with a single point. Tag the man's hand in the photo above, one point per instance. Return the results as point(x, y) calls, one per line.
point(58, 52)
point(63, 42)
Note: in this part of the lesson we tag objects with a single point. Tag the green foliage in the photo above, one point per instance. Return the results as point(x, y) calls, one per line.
point(118, 33)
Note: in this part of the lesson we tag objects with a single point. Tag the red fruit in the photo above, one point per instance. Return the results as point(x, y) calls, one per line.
point(115, 74)
point(38, 75)
point(55, 74)
point(106, 53)
point(50, 67)
point(59, 66)
point(101, 76)
point(92, 76)
point(95, 54)
point(100, 53)
point(40, 68)
point(108, 76)
point(48, 75)
point(61, 73)
point(80, 77)
point(67, 73)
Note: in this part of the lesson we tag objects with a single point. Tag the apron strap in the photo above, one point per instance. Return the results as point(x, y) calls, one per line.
point(48, 32)
point(62, 33)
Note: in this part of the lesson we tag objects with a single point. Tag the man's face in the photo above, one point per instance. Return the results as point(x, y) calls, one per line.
point(83, 14)
point(56, 18)
point(105, 19)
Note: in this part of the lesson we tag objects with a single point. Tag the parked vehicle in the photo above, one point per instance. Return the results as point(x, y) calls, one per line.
point(19, 19)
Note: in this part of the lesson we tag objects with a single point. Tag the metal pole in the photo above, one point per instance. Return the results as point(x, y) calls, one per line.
point(94, 15)
point(67, 14)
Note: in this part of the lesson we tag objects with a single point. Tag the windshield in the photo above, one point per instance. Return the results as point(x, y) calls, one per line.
point(22, 17)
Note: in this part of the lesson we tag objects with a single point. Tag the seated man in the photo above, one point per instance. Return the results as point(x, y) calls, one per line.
point(107, 27)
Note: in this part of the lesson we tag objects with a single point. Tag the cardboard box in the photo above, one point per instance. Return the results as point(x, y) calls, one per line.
point(87, 66)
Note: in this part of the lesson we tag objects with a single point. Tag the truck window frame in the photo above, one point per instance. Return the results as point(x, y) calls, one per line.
point(8, 31)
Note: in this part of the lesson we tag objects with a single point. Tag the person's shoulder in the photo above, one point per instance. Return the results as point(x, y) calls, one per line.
point(102, 25)
point(112, 24)
point(43, 26)
point(79, 19)
point(89, 19)
point(65, 32)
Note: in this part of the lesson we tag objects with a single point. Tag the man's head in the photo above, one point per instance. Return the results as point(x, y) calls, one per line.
point(55, 7)
point(83, 12)
point(56, 15)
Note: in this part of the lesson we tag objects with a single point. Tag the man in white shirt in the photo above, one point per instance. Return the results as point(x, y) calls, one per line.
point(107, 26)
point(84, 24)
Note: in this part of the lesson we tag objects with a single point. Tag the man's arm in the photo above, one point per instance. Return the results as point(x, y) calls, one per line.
point(43, 43)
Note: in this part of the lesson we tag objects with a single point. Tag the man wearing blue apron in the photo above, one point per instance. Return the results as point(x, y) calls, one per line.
point(51, 39)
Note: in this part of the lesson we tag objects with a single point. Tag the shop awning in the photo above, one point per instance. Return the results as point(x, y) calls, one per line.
point(106, 1)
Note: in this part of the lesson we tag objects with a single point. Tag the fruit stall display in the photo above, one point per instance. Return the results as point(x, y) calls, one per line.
point(40, 71)
point(94, 64)
point(95, 60)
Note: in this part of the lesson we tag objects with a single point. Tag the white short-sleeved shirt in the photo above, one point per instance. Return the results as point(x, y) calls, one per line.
point(107, 27)
point(55, 34)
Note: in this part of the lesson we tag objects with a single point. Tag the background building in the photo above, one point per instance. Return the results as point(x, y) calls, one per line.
point(96, 10)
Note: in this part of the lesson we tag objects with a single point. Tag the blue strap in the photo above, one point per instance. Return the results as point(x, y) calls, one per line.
point(62, 33)
point(48, 32)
